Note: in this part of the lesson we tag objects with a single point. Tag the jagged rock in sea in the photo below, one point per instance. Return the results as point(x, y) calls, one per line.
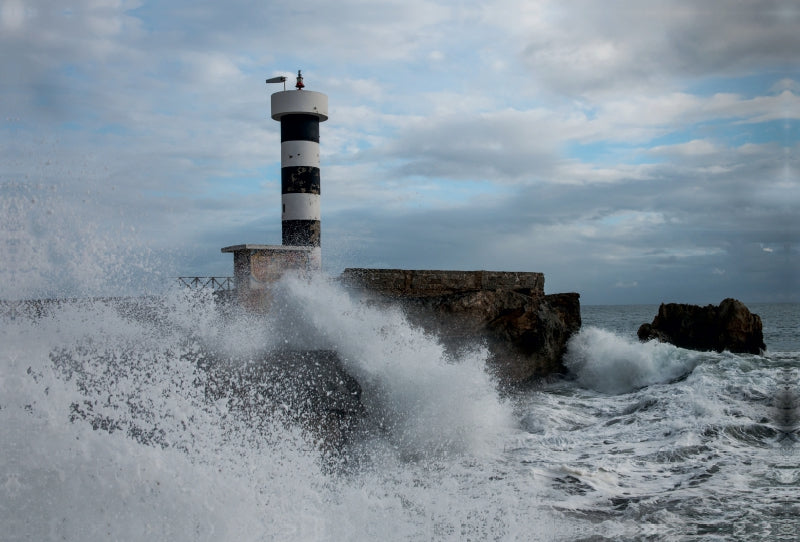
point(730, 326)
point(525, 330)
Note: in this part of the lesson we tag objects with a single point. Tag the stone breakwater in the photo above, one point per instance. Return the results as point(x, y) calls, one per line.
point(526, 333)
point(429, 283)
point(525, 330)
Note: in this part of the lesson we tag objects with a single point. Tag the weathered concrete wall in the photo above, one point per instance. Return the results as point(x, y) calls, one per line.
point(257, 267)
point(427, 283)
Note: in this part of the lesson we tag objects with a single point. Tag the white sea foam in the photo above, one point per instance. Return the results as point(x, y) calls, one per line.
point(52, 245)
point(609, 363)
point(178, 466)
point(107, 432)
point(427, 401)
point(163, 463)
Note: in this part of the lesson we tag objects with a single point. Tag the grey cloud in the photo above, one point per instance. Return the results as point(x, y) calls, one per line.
point(140, 118)
point(592, 49)
point(506, 146)
point(700, 223)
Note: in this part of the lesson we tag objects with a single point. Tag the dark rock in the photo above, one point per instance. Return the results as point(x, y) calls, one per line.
point(526, 331)
point(730, 326)
point(306, 387)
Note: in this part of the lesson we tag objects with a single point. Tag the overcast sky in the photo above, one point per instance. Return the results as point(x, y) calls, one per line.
point(633, 151)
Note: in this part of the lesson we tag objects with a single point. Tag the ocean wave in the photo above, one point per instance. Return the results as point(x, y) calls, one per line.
point(608, 363)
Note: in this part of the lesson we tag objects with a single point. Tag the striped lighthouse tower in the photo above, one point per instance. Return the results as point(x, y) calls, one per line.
point(300, 112)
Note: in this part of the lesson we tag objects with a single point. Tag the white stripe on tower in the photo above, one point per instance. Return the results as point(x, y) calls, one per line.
point(301, 207)
point(299, 153)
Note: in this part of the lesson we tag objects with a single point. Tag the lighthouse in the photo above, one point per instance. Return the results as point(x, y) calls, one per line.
point(300, 112)
point(257, 267)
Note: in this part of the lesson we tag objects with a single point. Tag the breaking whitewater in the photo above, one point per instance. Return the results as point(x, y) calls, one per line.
point(107, 431)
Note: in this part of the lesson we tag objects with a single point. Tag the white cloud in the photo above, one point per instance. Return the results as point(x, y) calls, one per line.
point(516, 135)
point(12, 15)
point(591, 49)
point(212, 68)
point(695, 147)
point(786, 84)
point(626, 284)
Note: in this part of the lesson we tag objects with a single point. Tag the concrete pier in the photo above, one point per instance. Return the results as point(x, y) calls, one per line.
point(427, 283)
point(256, 267)
point(526, 331)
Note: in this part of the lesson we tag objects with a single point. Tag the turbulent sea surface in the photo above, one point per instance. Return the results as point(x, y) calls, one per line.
point(106, 432)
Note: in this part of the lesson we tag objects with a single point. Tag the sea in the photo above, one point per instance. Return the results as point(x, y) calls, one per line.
point(106, 432)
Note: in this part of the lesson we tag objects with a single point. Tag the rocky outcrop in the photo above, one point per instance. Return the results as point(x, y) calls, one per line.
point(730, 326)
point(525, 330)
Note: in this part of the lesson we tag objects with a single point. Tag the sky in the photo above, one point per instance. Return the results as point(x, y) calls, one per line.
point(633, 151)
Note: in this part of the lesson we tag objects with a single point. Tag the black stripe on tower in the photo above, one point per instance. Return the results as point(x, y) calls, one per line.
point(299, 127)
point(300, 179)
point(303, 233)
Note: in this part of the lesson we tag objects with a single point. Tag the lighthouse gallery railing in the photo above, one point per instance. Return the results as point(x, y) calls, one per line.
point(199, 283)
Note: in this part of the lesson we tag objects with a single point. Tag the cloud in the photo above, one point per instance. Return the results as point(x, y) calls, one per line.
point(12, 15)
point(623, 284)
point(785, 84)
point(591, 50)
point(695, 147)
point(638, 143)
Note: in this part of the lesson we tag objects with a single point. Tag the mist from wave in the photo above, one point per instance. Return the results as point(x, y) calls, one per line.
point(109, 432)
point(607, 362)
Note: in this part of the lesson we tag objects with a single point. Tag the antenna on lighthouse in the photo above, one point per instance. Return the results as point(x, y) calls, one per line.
point(279, 79)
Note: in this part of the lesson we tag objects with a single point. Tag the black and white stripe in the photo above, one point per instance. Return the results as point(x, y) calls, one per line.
point(300, 180)
point(300, 113)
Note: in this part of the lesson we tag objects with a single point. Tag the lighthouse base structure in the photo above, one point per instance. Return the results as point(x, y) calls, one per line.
point(257, 267)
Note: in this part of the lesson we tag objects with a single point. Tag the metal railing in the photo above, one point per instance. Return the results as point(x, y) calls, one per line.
point(199, 283)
